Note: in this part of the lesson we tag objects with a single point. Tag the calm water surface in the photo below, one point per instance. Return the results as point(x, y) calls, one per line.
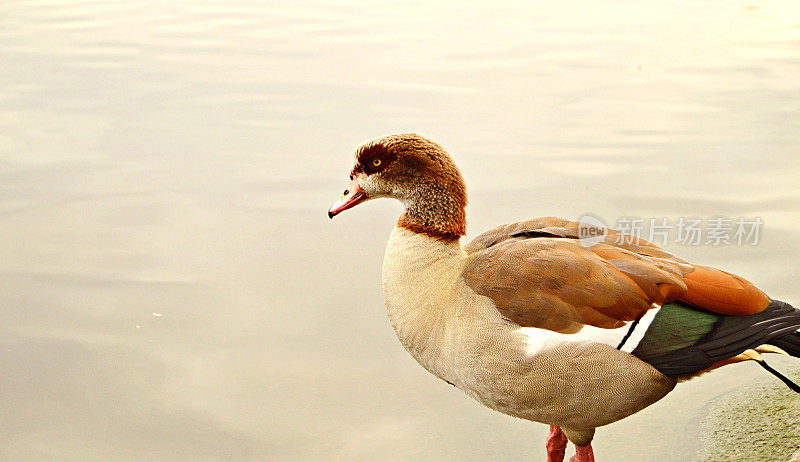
point(172, 289)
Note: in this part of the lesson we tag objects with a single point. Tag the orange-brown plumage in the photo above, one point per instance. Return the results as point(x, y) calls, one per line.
point(722, 292)
point(644, 273)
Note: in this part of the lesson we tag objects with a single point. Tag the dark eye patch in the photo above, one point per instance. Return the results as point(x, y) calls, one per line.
point(369, 155)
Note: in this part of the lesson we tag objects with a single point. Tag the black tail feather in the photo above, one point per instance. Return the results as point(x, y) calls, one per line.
point(777, 325)
point(789, 343)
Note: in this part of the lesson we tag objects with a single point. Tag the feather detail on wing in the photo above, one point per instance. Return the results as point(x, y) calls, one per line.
point(539, 275)
point(723, 292)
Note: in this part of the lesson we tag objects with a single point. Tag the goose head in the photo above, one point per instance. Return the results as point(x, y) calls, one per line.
point(417, 172)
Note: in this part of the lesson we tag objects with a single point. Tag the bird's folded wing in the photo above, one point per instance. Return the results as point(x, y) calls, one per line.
point(556, 284)
point(540, 275)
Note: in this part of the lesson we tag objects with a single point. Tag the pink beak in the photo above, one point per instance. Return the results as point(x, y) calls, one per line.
point(352, 196)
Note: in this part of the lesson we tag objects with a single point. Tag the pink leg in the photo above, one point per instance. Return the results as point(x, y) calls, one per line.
point(583, 454)
point(556, 444)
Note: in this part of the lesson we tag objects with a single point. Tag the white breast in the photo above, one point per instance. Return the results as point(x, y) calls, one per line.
point(437, 318)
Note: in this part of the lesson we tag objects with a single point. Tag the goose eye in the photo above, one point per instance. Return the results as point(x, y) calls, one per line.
point(376, 162)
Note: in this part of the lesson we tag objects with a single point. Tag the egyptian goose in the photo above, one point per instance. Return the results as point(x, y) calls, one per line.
point(532, 323)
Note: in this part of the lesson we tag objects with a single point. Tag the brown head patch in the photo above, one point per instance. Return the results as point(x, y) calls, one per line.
point(423, 176)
